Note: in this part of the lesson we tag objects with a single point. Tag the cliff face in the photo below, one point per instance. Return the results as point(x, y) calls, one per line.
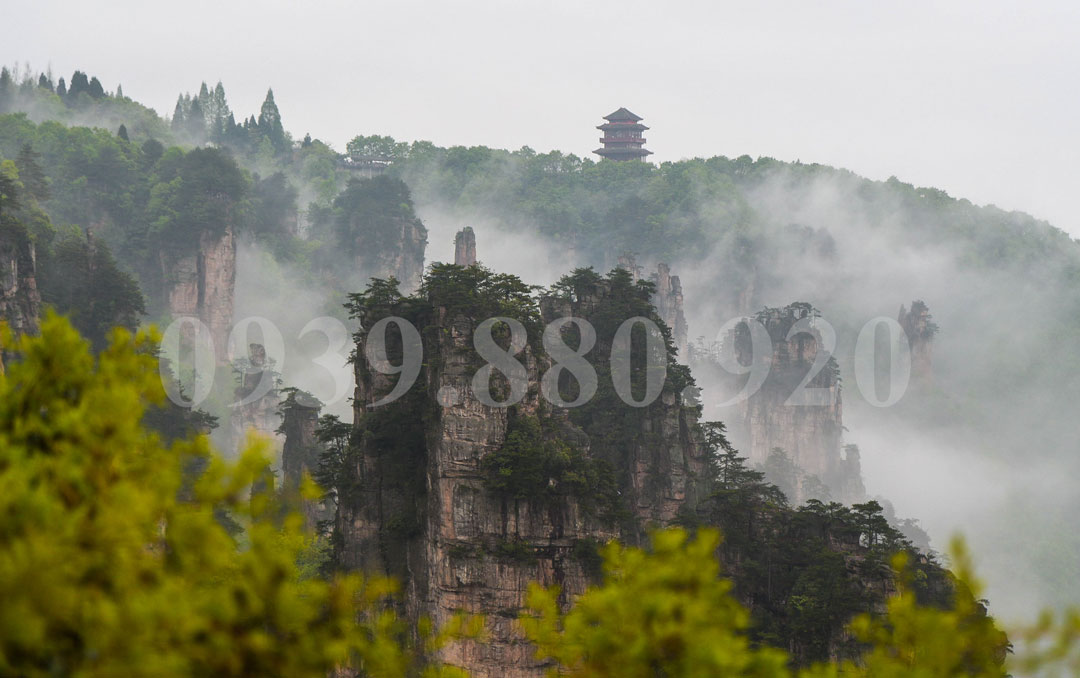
point(301, 450)
point(465, 247)
point(422, 510)
point(920, 329)
point(258, 398)
point(400, 256)
point(806, 423)
point(201, 284)
point(20, 302)
point(457, 546)
point(668, 301)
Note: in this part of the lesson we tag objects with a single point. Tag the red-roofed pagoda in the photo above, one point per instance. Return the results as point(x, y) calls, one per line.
point(622, 137)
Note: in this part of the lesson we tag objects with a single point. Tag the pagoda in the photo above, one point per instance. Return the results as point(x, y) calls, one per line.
point(622, 137)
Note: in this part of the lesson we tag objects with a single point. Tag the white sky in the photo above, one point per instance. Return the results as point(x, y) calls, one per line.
point(981, 99)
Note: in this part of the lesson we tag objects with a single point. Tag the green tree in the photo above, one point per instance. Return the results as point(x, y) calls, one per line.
point(269, 124)
point(106, 571)
point(376, 146)
point(31, 174)
point(79, 84)
point(915, 640)
point(202, 189)
point(95, 89)
point(81, 278)
point(664, 613)
point(194, 121)
point(178, 115)
point(667, 612)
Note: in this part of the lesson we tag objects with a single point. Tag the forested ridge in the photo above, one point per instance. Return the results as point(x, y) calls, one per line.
point(104, 188)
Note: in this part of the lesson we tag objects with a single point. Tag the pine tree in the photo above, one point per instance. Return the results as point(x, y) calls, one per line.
point(269, 123)
point(30, 173)
point(178, 115)
point(6, 88)
point(122, 132)
point(195, 123)
point(79, 84)
point(216, 111)
point(44, 82)
point(95, 88)
point(61, 88)
point(119, 91)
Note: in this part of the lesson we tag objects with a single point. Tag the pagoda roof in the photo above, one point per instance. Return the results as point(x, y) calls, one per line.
point(622, 125)
point(622, 115)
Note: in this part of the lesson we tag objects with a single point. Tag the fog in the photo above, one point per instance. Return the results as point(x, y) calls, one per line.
point(987, 452)
point(315, 331)
point(990, 451)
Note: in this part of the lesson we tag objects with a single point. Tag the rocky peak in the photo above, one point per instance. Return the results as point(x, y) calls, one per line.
point(201, 284)
point(465, 247)
point(920, 328)
point(787, 420)
point(423, 507)
point(257, 398)
point(20, 302)
point(301, 450)
point(668, 300)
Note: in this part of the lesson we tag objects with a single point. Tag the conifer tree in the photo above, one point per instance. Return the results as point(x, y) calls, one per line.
point(6, 88)
point(122, 132)
point(269, 123)
point(195, 123)
point(44, 82)
point(61, 88)
point(30, 173)
point(79, 84)
point(119, 91)
point(216, 111)
point(178, 114)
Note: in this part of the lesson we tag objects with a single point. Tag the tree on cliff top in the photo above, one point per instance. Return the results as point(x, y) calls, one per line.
point(269, 124)
point(201, 190)
point(667, 612)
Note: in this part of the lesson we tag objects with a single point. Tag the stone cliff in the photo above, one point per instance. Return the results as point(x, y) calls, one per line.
point(803, 420)
point(423, 509)
point(20, 302)
point(201, 283)
point(378, 229)
point(257, 398)
point(401, 255)
point(465, 247)
point(920, 329)
point(301, 450)
point(667, 298)
point(466, 502)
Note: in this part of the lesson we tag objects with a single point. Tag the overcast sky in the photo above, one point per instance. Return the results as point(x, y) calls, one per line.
point(979, 99)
